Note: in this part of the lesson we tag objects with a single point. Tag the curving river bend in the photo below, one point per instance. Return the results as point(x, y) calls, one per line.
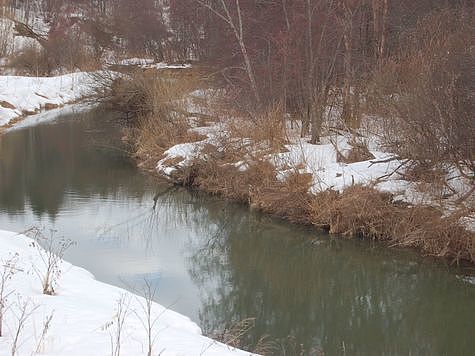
point(219, 263)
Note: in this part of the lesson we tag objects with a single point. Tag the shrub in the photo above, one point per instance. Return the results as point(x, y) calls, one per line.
point(32, 60)
point(428, 94)
point(51, 251)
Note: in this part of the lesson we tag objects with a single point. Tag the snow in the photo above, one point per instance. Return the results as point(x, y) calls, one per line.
point(25, 95)
point(51, 116)
point(150, 63)
point(136, 61)
point(321, 161)
point(83, 312)
point(163, 65)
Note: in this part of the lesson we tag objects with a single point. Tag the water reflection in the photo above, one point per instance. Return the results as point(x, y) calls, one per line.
point(38, 165)
point(219, 263)
point(339, 296)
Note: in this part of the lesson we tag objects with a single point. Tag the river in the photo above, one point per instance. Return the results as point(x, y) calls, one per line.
point(220, 263)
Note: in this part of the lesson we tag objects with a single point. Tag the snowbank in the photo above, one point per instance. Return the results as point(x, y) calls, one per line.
point(27, 95)
point(83, 313)
point(51, 116)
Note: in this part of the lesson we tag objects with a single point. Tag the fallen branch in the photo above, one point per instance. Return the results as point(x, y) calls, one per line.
point(386, 160)
point(386, 176)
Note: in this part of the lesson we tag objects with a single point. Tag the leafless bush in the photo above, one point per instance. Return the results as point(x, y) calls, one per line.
point(51, 250)
point(145, 315)
point(428, 94)
point(70, 52)
point(22, 312)
point(155, 106)
point(136, 94)
point(32, 60)
point(6, 274)
point(117, 325)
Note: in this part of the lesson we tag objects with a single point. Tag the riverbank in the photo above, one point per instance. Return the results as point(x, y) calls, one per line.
point(83, 315)
point(24, 96)
point(347, 183)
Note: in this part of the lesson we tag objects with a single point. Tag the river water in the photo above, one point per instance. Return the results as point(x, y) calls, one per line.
point(220, 263)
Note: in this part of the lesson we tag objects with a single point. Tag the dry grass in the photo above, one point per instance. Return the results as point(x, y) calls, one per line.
point(154, 104)
point(289, 199)
point(364, 212)
point(359, 152)
point(266, 131)
point(357, 212)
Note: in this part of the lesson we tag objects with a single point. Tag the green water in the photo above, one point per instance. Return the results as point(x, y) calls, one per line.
point(220, 263)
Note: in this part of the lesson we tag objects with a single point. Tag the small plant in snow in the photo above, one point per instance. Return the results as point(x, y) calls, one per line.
point(117, 324)
point(7, 271)
point(22, 312)
point(46, 325)
point(145, 315)
point(51, 249)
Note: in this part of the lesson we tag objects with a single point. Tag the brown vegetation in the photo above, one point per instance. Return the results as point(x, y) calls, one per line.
point(426, 94)
point(407, 61)
point(357, 212)
point(153, 105)
point(237, 168)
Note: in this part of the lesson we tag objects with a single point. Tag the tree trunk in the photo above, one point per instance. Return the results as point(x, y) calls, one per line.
point(317, 120)
point(347, 114)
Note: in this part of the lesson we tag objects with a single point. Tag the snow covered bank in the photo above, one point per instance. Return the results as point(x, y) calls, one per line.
point(322, 162)
point(84, 314)
point(21, 96)
point(333, 164)
point(51, 116)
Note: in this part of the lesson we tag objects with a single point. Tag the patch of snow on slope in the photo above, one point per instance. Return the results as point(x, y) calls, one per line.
point(51, 116)
point(19, 95)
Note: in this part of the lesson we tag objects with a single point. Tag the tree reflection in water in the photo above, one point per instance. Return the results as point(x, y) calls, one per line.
point(325, 293)
point(226, 263)
point(40, 164)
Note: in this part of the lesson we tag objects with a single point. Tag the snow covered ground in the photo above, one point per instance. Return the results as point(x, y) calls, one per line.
point(27, 95)
point(51, 116)
point(149, 63)
point(85, 313)
point(328, 171)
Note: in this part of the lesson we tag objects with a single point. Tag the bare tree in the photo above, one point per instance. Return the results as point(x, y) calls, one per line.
point(223, 11)
point(380, 10)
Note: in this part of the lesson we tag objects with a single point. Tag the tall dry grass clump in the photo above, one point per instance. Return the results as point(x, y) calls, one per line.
point(365, 212)
point(266, 131)
point(224, 179)
point(154, 105)
point(288, 199)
